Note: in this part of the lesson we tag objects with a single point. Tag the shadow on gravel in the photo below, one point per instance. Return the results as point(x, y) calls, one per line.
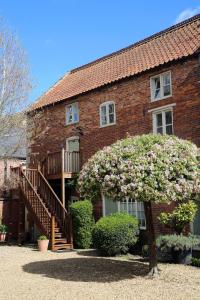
point(87, 269)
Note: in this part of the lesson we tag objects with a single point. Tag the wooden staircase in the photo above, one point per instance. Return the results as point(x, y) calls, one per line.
point(47, 210)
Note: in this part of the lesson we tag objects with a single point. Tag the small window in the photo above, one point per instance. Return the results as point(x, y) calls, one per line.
point(72, 113)
point(107, 114)
point(163, 122)
point(161, 86)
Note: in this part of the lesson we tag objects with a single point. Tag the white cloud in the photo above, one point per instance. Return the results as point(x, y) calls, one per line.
point(187, 13)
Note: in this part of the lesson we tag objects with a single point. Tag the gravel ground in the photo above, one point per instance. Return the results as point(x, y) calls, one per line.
point(27, 274)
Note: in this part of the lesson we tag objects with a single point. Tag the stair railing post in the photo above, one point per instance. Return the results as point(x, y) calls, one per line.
point(52, 232)
point(63, 179)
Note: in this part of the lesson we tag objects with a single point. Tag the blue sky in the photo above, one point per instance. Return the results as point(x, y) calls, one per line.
point(59, 35)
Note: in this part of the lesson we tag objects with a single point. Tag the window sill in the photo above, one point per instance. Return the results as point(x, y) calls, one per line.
point(107, 125)
point(68, 124)
point(158, 99)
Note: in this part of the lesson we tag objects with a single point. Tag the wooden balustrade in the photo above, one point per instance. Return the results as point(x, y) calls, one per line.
point(53, 202)
point(29, 181)
point(44, 203)
point(61, 161)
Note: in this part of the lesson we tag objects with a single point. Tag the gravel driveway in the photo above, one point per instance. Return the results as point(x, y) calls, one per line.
point(27, 274)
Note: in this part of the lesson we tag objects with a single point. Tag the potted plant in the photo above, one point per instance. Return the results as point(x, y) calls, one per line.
point(43, 243)
point(3, 231)
point(179, 246)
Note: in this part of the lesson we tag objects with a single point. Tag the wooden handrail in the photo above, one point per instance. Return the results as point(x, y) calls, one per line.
point(52, 232)
point(58, 200)
point(33, 189)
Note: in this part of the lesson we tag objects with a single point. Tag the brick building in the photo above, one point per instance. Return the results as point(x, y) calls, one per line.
point(150, 86)
point(12, 154)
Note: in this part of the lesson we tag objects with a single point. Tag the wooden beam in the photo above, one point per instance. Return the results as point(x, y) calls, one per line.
point(63, 177)
point(52, 232)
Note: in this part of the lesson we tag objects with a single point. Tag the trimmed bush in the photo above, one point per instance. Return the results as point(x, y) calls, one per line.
point(83, 222)
point(178, 247)
point(181, 216)
point(174, 242)
point(195, 262)
point(115, 234)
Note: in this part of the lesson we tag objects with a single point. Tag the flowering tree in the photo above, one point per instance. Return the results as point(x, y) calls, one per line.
point(149, 168)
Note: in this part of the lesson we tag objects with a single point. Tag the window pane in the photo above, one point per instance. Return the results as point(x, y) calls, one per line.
point(103, 120)
point(69, 114)
point(160, 130)
point(111, 118)
point(167, 90)
point(110, 206)
point(169, 129)
point(132, 207)
point(76, 117)
point(103, 110)
point(166, 79)
point(123, 206)
point(168, 117)
point(111, 108)
point(156, 87)
point(103, 115)
point(159, 120)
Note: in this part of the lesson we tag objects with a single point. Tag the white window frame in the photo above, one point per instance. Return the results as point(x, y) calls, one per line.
point(119, 209)
point(162, 111)
point(107, 103)
point(161, 86)
point(67, 108)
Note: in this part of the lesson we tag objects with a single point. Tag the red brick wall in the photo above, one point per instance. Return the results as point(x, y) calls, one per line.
point(11, 162)
point(9, 206)
point(132, 100)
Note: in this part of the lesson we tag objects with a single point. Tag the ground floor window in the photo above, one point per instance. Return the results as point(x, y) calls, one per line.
point(195, 226)
point(130, 206)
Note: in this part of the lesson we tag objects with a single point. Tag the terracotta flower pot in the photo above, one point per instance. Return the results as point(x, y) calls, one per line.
point(2, 236)
point(43, 245)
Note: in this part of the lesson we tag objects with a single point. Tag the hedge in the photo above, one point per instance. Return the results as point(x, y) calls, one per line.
point(115, 234)
point(83, 222)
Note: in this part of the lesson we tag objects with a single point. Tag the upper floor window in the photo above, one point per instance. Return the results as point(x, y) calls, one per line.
point(72, 113)
point(161, 86)
point(107, 114)
point(163, 122)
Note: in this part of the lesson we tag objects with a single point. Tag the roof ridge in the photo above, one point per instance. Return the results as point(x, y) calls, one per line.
point(138, 43)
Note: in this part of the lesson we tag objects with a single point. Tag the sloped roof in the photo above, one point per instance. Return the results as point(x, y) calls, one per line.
point(174, 43)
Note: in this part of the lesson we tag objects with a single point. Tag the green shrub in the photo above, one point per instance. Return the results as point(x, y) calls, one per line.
point(195, 262)
point(182, 215)
point(114, 234)
point(3, 228)
point(42, 238)
point(83, 223)
point(174, 242)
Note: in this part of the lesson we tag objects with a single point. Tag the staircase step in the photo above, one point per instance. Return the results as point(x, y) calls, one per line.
point(58, 235)
point(61, 241)
point(63, 247)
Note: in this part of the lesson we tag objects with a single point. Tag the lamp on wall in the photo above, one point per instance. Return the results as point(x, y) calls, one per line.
point(79, 130)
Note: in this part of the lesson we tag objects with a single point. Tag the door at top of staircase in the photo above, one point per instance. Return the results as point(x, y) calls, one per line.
point(72, 155)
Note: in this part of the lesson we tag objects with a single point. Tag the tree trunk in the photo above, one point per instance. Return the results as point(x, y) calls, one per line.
point(153, 268)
